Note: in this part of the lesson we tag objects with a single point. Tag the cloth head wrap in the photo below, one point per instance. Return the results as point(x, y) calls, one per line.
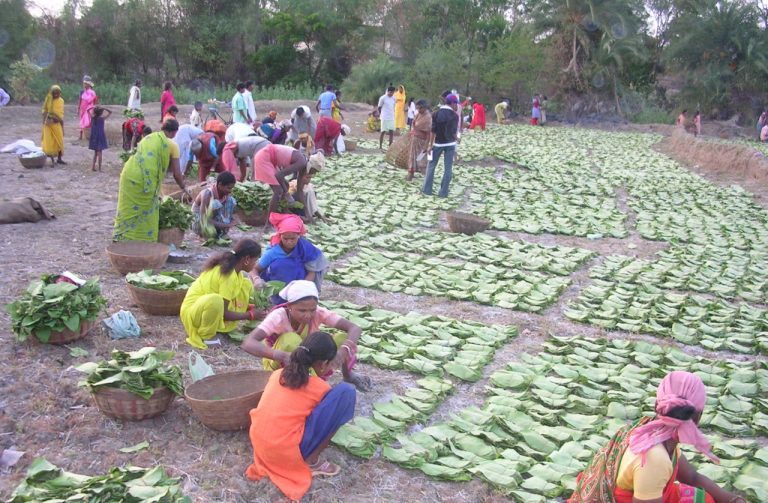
point(677, 389)
point(87, 80)
point(346, 129)
point(285, 222)
point(299, 289)
point(316, 162)
point(49, 98)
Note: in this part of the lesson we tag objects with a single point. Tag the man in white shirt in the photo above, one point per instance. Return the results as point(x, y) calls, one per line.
point(249, 104)
point(134, 96)
point(387, 112)
point(303, 122)
point(239, 110)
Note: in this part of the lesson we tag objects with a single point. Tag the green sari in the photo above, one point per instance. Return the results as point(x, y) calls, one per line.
point(138, 204)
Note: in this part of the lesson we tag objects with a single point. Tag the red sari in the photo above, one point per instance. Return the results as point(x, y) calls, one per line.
point(478, 116)
point(597, 483)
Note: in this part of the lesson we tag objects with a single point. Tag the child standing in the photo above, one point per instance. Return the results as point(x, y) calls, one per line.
point(195, 118)
point(98, 140)
point(296, 418)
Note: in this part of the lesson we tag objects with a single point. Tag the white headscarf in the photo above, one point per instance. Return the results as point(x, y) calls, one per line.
point(316, 162)
point(299, 289)
point(346, 129)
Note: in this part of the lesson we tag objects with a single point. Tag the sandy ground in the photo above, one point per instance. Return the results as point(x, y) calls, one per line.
point(44, 413)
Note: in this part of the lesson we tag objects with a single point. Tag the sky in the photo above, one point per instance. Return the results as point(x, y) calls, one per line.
point(52, 6)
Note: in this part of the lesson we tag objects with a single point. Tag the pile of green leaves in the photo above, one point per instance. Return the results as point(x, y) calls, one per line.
point(726, 272)
point(690, 319)
point(546, 415)
point(133, 114)
point(126, 154)
point(252, 196)
point(47, 306)
point(424, 344)
point(174, 214)
point(362, 436)
point(483, 283)
point(261, 296)
point(485, 249)
point(131, 484)
point(165, 280)
point(139, 372)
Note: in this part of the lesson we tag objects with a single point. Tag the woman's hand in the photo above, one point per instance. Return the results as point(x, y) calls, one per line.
point(282, 356)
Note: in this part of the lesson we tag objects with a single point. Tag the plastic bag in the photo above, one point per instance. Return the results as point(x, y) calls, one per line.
point(198, 369)
point(122, 325)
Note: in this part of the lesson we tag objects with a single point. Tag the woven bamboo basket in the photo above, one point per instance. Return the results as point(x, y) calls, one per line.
point(66, 336)
point(135, 256)
point(33, 162)
point(398, 152)
point(255, 218)
point(174, 236)
point(350, 145)
point(157, 302)
point(223, 401)
point(466, 223)
point(121, 404)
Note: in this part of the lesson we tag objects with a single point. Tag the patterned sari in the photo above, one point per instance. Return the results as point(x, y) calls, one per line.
point(138, 205)
point(597, 483)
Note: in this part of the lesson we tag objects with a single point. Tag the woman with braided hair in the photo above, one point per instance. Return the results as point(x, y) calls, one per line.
point(296, 418)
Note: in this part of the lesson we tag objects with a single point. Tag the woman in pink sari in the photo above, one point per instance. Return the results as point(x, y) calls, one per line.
point(88, 100)
point(166, 99)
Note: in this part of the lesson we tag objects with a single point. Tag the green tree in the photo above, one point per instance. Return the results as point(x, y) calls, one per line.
point(16, 30)
point(722, 50)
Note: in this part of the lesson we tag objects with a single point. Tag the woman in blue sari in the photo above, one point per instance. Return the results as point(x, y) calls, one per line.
point(290, 256)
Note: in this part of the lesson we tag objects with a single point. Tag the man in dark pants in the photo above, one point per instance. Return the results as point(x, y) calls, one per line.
point(442, 141)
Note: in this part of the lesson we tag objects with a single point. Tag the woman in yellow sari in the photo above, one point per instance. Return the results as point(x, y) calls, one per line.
point(401, 109)
point(218, 299)
point(53, 125)
point(138, 203)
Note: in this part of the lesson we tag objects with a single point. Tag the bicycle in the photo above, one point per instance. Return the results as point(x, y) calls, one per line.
point(218, 110)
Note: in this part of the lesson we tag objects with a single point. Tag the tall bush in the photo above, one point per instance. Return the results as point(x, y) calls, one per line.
point(367, 81)
point(23, 73)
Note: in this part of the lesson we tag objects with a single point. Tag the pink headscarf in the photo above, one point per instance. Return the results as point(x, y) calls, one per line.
point(677, 389)
point(285, 223)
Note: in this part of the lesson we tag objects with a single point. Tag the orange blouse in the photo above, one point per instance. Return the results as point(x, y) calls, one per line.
point(277, 427)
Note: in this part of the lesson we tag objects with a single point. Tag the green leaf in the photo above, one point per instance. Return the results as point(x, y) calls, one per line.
point(135, 448)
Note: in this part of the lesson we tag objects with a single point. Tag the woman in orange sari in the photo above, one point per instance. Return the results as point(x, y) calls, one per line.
point(642, 463)
point(296, 418)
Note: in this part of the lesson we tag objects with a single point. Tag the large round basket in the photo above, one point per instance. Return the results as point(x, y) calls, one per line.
point(173, 236)
point(33, 162)
point(255, 218)
point(157, 302)
point(350, 145)
point(121, 404)
point(135, 256)
point(66, 336)
point(223, 401)
point(466, 223)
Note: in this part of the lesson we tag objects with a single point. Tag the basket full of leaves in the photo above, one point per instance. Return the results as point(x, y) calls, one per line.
point(133, 385)
point(47, 482)
point(175, 219)
point(56, 310)
point(252, 202)
point(160, 294)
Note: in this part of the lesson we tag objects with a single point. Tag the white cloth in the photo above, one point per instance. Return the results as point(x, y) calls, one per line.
point(387, 105)
point(299, 289)
point(20, 147)
point(195, 119)
point(249, 145)
point(249, 104)
point(340, 147)
point(316, 161)
point(238, 130)
point(412, 110)
point(134, 98)
point(183, 138)
point(304, 124)
point(4, 97)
